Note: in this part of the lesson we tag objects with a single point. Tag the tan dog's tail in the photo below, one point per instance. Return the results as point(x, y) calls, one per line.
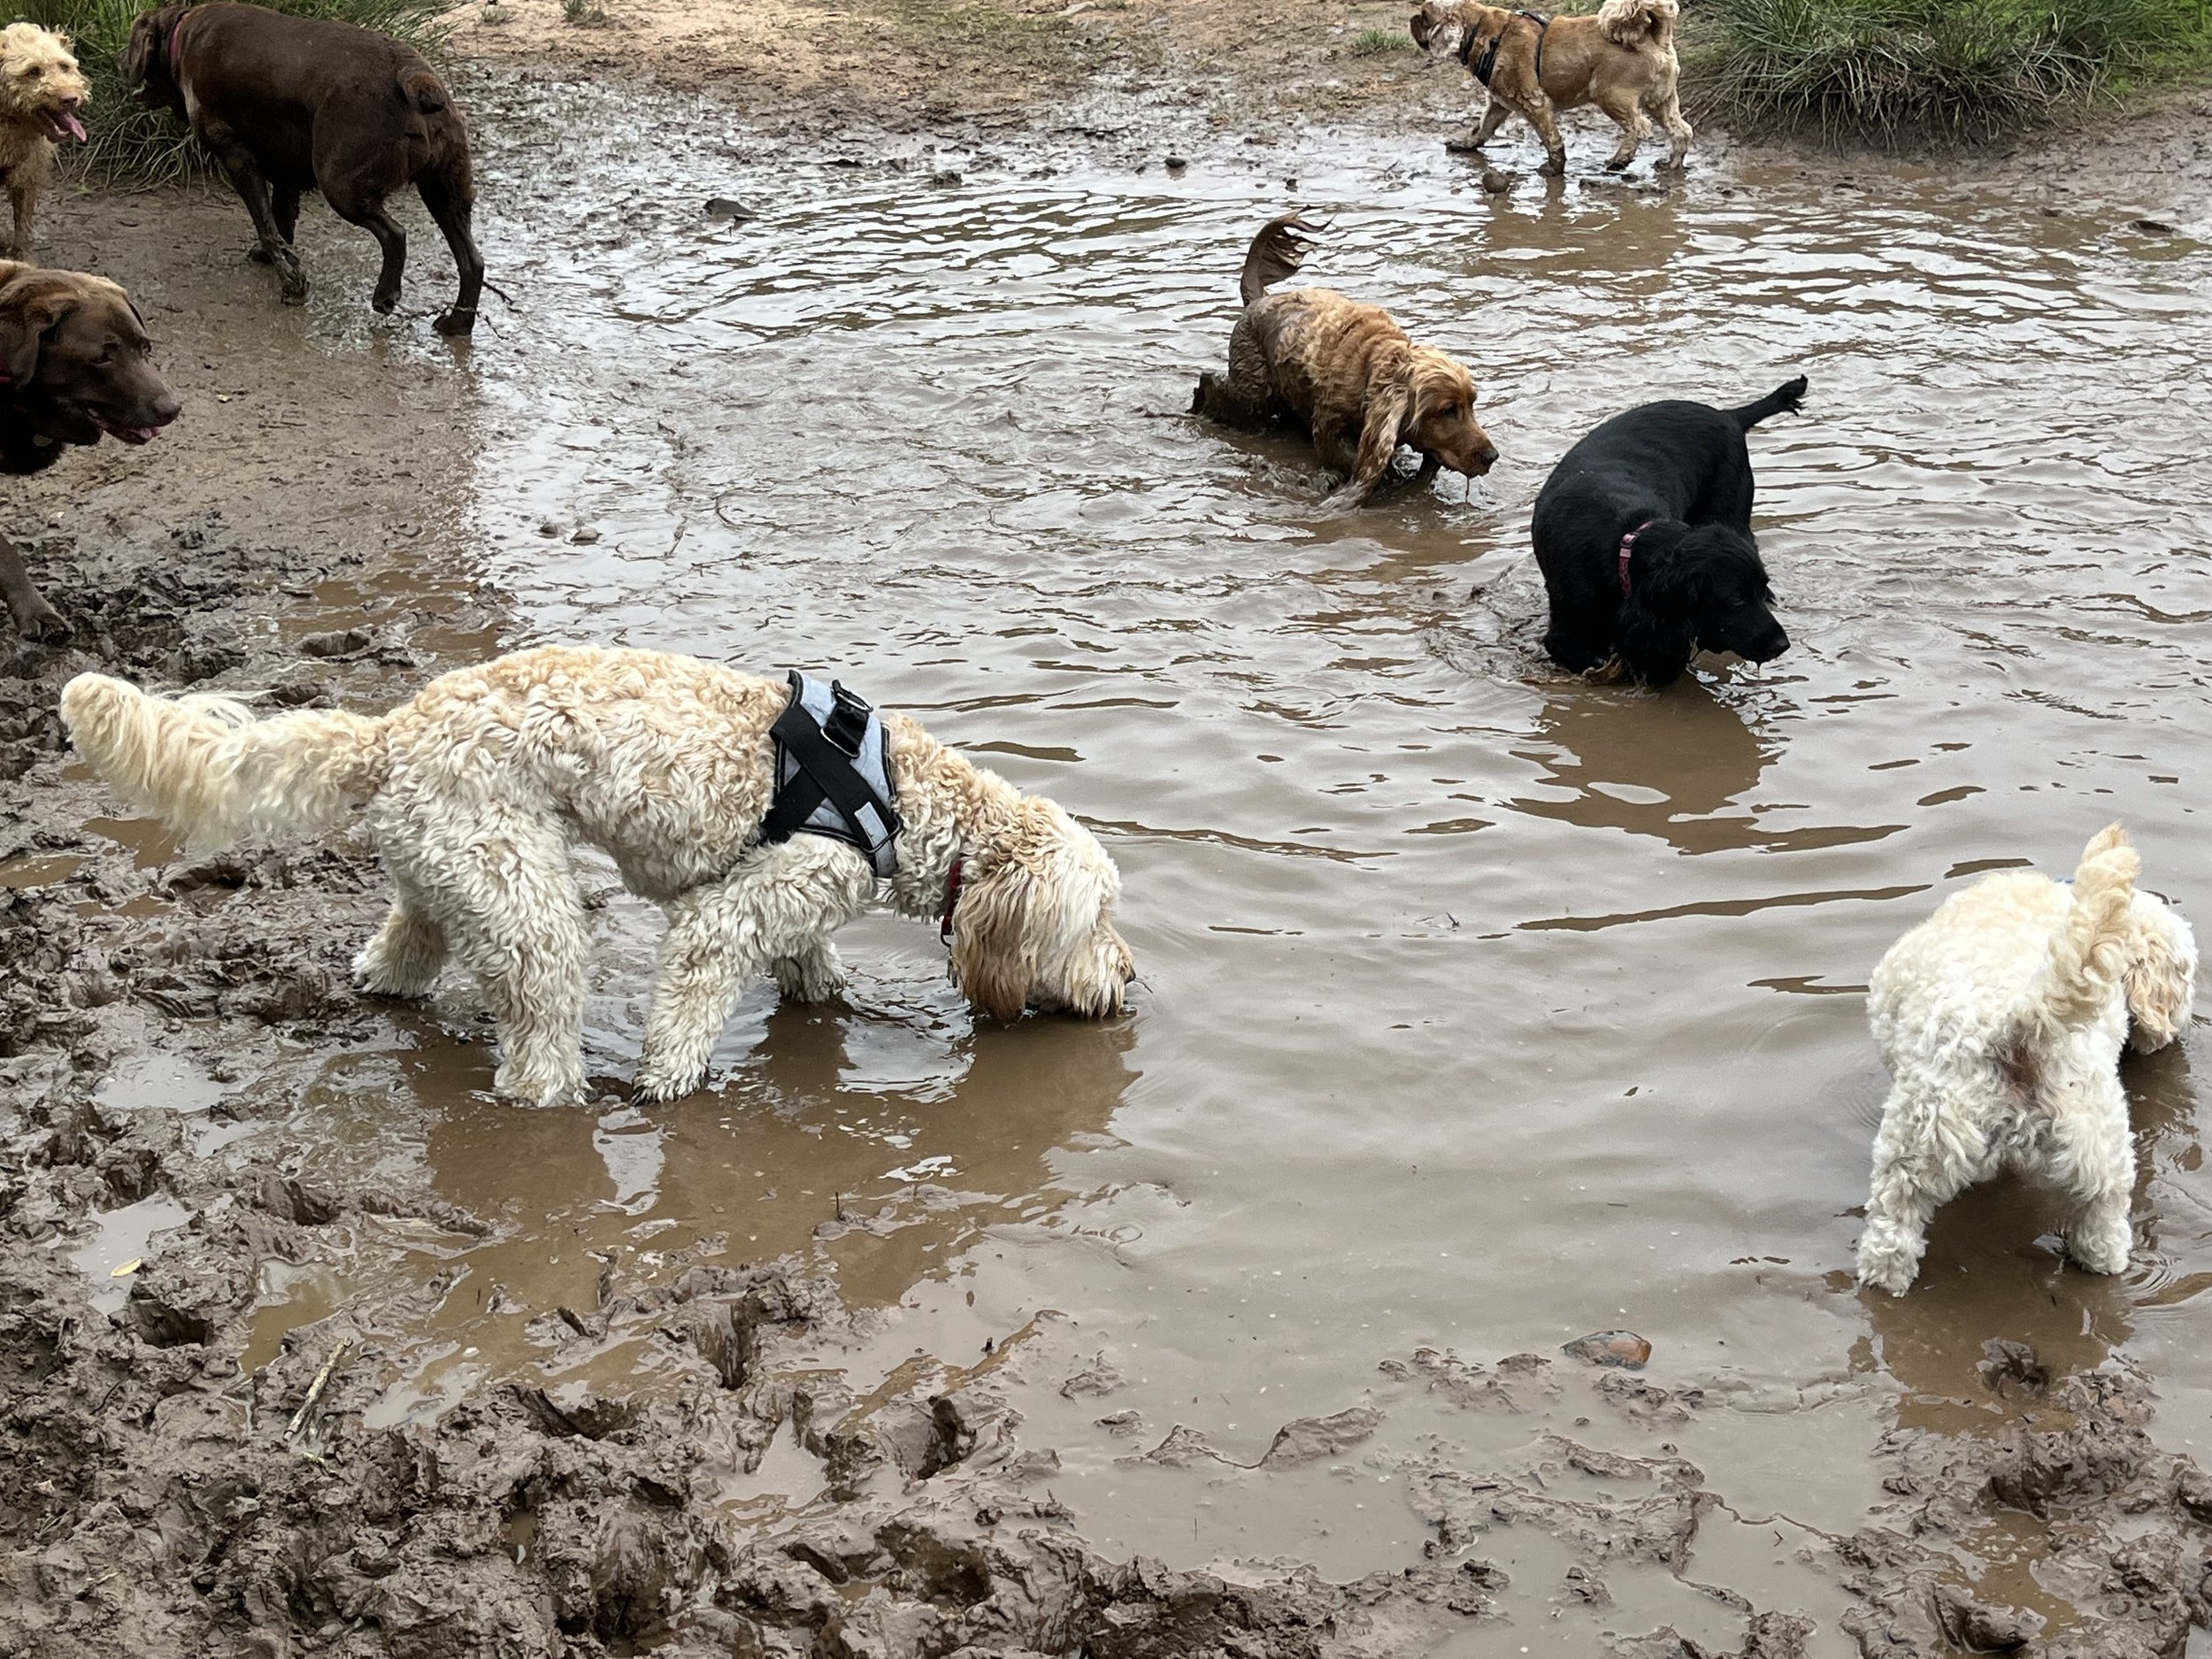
point(212, 771)
point(1629, 23)
point(2090, 952)
point(1277, 252)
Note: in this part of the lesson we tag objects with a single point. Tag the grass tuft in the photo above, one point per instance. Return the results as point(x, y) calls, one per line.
point(1368, 42)
point(1896, 71)
point(153, 146)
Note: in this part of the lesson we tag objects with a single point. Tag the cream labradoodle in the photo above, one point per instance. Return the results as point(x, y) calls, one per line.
point(474, 789)
point(43, 96)
point(2001, 1018)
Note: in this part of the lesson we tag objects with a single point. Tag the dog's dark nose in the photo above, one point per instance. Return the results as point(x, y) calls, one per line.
point(1489, 456)
point(72, 102)
point(1771, 646)
point(166, 408)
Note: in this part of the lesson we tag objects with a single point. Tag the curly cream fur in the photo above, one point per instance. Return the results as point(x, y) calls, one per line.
point(2001, 1018)
point(1622, 61)
point(39, 85)
point(474, 789)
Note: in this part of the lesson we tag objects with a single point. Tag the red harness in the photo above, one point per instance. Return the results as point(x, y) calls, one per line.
point(952, 901)
point(1628, 545)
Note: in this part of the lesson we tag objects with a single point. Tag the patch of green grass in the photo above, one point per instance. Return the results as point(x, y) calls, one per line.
point(1368, 42)
point(1891, 71)
point(129, 141)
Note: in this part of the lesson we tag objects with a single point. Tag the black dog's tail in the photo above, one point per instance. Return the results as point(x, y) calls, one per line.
point(1783, 400)
point(1276, 251)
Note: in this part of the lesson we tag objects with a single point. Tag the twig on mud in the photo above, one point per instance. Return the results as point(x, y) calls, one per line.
point(302, 1427)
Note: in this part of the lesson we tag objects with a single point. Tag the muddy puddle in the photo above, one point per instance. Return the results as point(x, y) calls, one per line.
point(1480, 1008)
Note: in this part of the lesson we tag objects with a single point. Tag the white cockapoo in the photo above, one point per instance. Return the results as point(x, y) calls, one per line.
point(2001, 1018)
point(475, 788)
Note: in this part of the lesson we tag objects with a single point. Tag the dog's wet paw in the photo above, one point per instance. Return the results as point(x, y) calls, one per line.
point(455, 323)
point(43, 625)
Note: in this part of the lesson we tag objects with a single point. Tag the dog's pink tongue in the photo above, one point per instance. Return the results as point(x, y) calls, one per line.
point(72, 126)
point(144, 434)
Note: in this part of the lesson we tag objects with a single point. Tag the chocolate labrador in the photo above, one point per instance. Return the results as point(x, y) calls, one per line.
point(287, 104)
point(75, 362)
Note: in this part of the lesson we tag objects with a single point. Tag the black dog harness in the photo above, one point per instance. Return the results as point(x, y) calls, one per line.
point(832, 777)
point(1482, 68)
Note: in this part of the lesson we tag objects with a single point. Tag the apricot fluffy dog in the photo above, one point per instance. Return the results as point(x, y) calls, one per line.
point(43, 96)
point(1621, 60)
point(1345, 372)
point(475, 788)
point(2001, 1018)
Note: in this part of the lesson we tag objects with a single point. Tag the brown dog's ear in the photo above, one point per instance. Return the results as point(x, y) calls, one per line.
point(27, 316)
point(148, 32)
point(1389, 409)
point(1421, 28)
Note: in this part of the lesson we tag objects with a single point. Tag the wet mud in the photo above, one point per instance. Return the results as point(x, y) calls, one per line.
point(1486, 1014)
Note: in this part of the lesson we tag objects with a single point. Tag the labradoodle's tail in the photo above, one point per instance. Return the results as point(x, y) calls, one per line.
point(2089, 954)
point(209, 768)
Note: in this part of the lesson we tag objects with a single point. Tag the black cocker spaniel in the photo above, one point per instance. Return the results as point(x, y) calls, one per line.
point(1643, 533)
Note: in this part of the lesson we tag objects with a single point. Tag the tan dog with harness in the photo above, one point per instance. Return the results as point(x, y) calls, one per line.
point(1621, 60)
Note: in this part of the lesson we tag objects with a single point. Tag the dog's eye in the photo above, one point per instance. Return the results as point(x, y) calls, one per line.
point(1450, 411)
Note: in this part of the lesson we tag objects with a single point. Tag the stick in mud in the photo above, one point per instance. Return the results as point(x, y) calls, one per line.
point(303, 1419)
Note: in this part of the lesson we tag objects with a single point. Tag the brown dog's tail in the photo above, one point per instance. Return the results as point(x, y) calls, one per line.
point(212, 771)
point(1277, 252)
point(1629, 23)
point(422, 88)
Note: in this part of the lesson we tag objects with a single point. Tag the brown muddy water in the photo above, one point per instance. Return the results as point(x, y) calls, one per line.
point(1480, 1007)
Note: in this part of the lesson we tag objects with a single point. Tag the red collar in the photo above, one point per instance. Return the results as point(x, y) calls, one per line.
point(1628, 545)
point(952, 900)
point(169, 48)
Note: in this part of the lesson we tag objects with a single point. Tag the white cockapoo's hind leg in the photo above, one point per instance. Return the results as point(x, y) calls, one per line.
point(780, 904)
point(2093, 1155)
point(1918, 1167)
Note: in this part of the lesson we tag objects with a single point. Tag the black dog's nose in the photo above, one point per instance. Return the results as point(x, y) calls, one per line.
point(1771, 646)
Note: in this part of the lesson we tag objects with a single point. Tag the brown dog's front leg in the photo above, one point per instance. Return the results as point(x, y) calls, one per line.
point(1539, 117)
point(245, 172)
point(34, 618)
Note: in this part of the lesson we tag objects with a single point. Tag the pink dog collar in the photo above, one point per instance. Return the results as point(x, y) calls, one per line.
point(1628, 544)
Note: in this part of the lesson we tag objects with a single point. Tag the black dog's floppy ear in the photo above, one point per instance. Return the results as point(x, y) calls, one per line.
point(1421, 28)
point(1658, 624)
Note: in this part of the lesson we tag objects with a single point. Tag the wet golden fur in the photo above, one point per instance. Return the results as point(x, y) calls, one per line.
point(1345, 372)
point(42, 93)
point(1622, 61)
point(475, 788)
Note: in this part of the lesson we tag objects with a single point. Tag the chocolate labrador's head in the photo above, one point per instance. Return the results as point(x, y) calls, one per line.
point(75, 361)
point(145, 62)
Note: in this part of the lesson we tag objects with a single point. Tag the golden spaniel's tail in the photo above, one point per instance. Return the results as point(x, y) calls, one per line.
point(1277, 252)
point(1629, 23)
point(2089, 953)
point(209, 768)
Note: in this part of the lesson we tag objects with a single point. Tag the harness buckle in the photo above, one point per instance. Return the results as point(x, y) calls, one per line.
point(848, 721)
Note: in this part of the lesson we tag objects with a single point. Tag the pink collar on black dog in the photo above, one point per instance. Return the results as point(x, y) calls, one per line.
point(1628, 543)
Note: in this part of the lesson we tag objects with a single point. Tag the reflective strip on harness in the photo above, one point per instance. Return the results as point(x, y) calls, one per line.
point(833, 775)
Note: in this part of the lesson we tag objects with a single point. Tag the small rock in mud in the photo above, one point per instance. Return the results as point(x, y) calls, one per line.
point(723, 207)
point(338, 643)
point(2152, 226)
point(1495, 182)
point(1309, 1440)
point(1622, 1348)
point(584, 535)
point(1175, 164)
point(1980, 1627)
